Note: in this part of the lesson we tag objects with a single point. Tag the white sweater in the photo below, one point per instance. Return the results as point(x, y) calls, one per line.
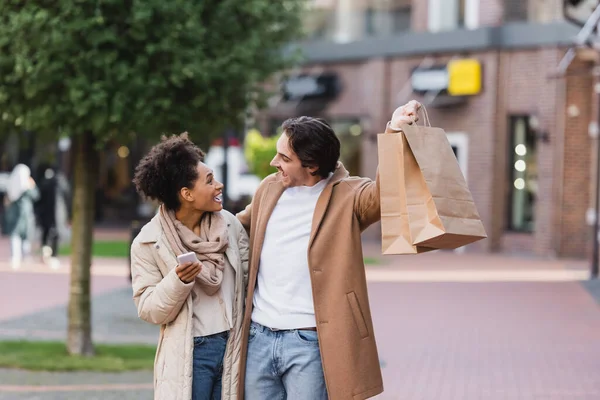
point(283, 296)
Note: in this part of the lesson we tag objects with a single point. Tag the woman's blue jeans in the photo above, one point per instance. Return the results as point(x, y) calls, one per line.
point(209, 352)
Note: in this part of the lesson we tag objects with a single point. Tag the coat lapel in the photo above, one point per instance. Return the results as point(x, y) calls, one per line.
point(268, 203)
point(323, 201)
point(232, 252)
point(319, 213)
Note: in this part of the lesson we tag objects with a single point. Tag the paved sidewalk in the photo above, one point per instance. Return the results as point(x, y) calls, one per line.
point(24, 385)
point(114, 320)
point(437, 341)
point(593, 288)
point(448, 326)
point(487, 341)
point(439, 266)
point(448, 266)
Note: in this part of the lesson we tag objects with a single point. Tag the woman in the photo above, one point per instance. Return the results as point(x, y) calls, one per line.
point(19, 216)
point(199, 305)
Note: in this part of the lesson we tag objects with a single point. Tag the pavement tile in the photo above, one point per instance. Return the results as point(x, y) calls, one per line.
point(437, 340)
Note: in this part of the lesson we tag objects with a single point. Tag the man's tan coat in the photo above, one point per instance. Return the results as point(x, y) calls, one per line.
point(345, 208)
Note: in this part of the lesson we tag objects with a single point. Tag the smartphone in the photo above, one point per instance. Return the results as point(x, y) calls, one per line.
point(187, 257)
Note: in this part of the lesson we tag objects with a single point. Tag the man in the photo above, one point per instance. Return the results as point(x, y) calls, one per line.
point(308, 323)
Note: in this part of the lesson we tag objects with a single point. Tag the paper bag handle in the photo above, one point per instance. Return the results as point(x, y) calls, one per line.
point(426, 120)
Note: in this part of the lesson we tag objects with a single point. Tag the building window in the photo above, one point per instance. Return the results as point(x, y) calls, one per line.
point(522, 182)
point(318, 23)
point(461, 13)
point(370, 22)
point(387, 20)
point(384, 18)
point(345, 21)
point(447, 15)
point(516, 10)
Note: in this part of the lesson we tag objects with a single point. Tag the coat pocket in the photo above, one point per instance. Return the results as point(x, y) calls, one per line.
point(359, 319)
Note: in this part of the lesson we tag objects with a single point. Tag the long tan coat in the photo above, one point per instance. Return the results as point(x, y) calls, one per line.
point(345, 208)
point(162, 299)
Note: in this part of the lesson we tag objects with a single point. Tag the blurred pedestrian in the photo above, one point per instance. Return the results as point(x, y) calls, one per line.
point(52, 212)
point(199, 303)
point(19, 217)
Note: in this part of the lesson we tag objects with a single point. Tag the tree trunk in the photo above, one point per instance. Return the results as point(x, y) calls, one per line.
point(79, 340)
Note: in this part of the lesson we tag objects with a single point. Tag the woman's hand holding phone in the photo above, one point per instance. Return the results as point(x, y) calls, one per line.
point(189, 267)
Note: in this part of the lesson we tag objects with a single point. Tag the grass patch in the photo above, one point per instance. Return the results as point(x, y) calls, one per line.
point(52, 356)
point(371, 261)
point(109, 248)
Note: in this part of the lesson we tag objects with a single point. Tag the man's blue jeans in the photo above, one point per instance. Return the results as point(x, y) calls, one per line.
point(284, 365)
point(209, 352)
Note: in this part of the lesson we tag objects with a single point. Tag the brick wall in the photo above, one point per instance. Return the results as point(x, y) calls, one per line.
point(419, 15)
point(517, 243)
point(577, 176)
point(515, 83)
point(495, 12)
point(527, 90)
point(490, 13)
point(475, 118)
point(545, 10)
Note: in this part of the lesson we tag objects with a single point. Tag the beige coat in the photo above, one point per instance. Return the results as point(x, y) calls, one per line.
point(346, 207)
point(162, 299)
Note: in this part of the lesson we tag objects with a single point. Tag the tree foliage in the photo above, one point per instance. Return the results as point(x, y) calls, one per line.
point(259, 152)
point(102, 69)
point(150, 66)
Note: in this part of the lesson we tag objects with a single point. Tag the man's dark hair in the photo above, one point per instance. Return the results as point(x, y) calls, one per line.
point(314, 142)
point(169, 166)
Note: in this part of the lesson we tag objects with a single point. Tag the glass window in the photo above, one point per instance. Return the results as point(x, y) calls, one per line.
point(461, 12)
point(319, 23)
point(350, 20)
point(389, 20)
point(522, 182)
point(516, 10)
point(401, 19)
point(445, 15)
point(370, 21)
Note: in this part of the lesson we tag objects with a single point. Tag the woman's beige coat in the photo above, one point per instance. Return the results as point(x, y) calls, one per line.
point(161, 298)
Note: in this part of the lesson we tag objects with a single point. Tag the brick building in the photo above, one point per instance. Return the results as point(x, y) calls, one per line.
point(523, 140)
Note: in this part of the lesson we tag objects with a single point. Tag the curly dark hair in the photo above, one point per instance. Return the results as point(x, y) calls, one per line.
point(168, 167)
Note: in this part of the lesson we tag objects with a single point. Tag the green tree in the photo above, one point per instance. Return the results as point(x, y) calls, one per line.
point(259, 152)
point(102, 69)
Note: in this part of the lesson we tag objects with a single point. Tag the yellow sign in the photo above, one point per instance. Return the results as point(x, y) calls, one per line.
point(464, 77)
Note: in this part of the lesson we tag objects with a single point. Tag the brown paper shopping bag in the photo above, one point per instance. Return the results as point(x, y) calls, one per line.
point(394, 156)
point(425, 201)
